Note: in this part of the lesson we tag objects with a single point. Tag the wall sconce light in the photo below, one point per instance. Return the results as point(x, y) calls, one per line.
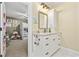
point(44, 5)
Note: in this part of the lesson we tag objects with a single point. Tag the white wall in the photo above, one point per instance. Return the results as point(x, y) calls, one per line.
point(35, 17)
point(36, 8)
point(68, 24)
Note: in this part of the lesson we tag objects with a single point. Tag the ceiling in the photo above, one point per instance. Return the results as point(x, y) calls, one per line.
point(19, 9)
point(16, 10)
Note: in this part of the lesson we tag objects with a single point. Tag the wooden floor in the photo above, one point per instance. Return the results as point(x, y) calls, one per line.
point(17, 48)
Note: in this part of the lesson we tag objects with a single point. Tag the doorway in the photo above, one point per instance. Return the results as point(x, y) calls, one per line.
point(17, 29)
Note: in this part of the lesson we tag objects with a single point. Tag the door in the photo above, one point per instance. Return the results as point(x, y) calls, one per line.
point(30, 46)
point(3, 32)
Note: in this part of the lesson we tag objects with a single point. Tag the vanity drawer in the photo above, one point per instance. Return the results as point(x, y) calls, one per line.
point(44, 40)
point(46, 46)
point(55, 40)
point(46, 53)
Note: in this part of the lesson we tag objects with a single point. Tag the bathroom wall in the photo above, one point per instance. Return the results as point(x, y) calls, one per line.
point(68, 24)
point(77, 22)
point(35, 17)
point(36, 8)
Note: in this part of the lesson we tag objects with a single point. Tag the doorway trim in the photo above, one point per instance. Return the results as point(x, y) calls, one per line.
point(30, 52)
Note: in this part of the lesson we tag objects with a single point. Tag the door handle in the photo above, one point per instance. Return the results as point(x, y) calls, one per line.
point(53, 39)
point(46, 53)
point(46, 44)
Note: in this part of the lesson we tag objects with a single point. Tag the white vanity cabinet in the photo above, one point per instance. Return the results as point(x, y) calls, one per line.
point(45, 44)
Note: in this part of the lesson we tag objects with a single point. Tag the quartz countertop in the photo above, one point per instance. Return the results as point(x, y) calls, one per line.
point(44, 33)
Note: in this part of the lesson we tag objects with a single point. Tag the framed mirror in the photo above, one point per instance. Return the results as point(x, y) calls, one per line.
point(42, 20)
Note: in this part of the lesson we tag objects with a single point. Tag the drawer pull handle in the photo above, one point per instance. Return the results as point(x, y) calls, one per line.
point(54, 39)
point(47, 44)
point(46, 53)
point(39, 39)
point(47, 38)
point(36, 43)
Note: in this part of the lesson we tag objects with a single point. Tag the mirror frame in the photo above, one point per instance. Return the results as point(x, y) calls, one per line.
point(46, 24)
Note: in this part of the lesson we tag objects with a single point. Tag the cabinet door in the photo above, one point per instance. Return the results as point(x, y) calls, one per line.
point(54, 43)
point(37, 46)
